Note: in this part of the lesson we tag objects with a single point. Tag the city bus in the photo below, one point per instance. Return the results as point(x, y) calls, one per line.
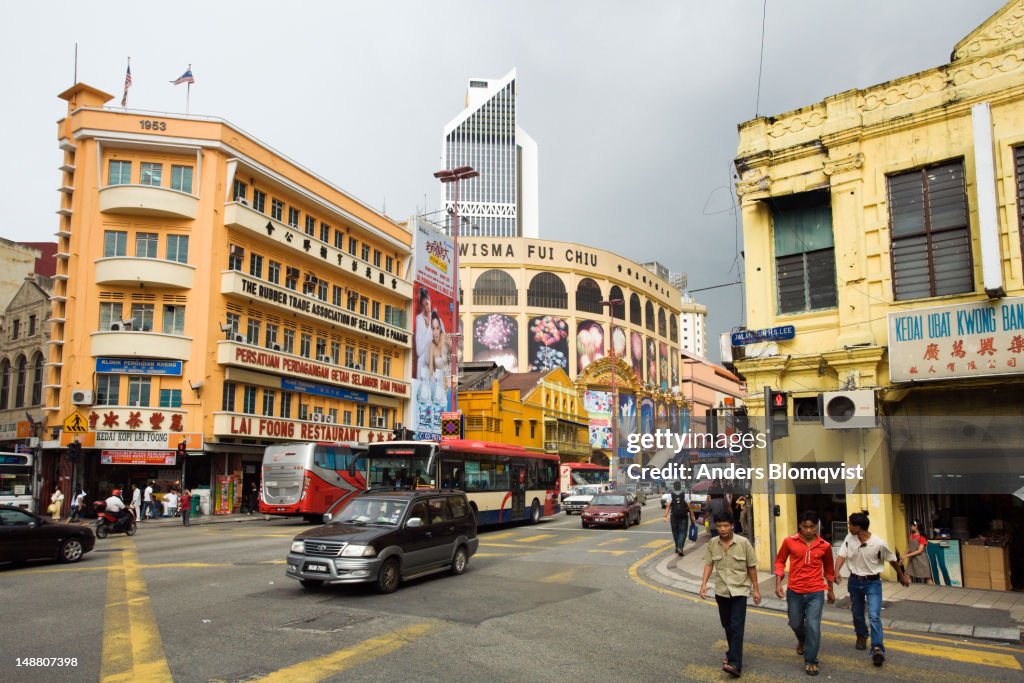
point(504, 483)
point(581, 474)
point(16, 480)
point(306, 478)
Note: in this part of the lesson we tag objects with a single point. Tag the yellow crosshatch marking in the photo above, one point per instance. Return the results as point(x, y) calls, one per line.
point(611, 541)
point(538, 537)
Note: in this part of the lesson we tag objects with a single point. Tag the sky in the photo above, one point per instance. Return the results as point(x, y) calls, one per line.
point(633, 105)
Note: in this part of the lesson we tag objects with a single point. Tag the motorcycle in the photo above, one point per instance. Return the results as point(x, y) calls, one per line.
point(113, 523)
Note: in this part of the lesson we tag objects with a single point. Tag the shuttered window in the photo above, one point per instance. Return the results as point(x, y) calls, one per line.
point(931, 242)
point(1018, 158)
point(805, 264)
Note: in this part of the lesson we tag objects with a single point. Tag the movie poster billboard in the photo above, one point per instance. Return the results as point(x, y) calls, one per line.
point(627, 417)
point(661, 416)
point(673, 364)
point(652, 362)
point(434, 310)
point(646, 416)
point(589, 343)
point(636, 354)
point(496, 338)
point(663, 375)
point(548, 344)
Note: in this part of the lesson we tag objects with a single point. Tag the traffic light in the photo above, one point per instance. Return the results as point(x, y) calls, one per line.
point(74, 451)
point(779, 411)
point(742, 422)
point(182, 448)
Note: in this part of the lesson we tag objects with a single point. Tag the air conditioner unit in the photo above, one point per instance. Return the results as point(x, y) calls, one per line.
point(324, 359)
point(118, 326)
point(83, 397)
point(380, 422)
point(328, 419)
point(848, 409)
point(240, 338)
point(551, 446)
point(242, 201)
point(316, 417)
point(275, 347)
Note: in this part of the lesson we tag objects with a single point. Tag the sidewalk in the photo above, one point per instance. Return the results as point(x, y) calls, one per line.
point(993, 615)
point(195, 521)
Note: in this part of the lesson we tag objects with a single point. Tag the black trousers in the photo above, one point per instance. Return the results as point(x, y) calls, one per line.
point(733, 614)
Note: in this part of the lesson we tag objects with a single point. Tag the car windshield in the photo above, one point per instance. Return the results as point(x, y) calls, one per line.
point(608, 500)
point(371, 511)
point(586, 491)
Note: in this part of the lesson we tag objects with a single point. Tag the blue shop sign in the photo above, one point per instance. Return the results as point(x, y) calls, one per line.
point(744, 337)
point(138, 366)
point(323, 390)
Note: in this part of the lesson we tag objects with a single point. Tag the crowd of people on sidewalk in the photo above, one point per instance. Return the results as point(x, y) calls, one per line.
point(141, 503)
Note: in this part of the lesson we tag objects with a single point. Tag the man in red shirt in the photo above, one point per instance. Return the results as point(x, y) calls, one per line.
point(811, 573)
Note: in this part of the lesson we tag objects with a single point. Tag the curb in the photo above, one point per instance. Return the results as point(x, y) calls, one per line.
point(659, 572)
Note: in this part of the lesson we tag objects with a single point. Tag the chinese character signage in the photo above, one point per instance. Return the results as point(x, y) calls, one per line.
point(964, 340)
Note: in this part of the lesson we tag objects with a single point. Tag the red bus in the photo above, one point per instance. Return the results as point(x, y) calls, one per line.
point(581, 474)
point(307, 478)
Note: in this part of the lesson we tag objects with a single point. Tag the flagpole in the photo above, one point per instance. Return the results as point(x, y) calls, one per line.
point(188, 92)
point(124, 99)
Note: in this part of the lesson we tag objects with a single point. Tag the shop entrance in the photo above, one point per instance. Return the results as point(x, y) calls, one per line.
point(831, 509)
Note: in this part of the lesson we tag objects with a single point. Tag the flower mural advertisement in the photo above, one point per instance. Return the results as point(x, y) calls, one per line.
point(589, 343)
point(433, 285)
point(548, 343)
point(636, 354)
point(496, 338)
point(619, 345)
point(663, 364)
point(652, 362)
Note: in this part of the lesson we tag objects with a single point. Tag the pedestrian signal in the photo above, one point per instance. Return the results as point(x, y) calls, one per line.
point(182, 448)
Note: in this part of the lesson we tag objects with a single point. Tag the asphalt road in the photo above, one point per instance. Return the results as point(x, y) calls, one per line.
point(551, 602)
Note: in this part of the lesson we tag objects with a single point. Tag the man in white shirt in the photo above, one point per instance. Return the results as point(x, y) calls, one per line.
point(171, 501)
point(147, 502)
point(136, 501)
point(866, 555)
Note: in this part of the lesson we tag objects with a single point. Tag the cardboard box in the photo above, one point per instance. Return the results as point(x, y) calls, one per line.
point(982, 581)
point(999, 568)
point(975, 566)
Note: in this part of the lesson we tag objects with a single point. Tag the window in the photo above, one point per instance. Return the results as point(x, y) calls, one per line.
point(289, 340)
point(274, 272)
point(393, 315)
point(119, 173)
point(321, 347)
point(177, 248)
point(268, 402)
point(350, 356)
point(303, 410)
point(649, 316)
point(387, 366)
point(353, 300)
point(662, 323)
point(305, 345)
point(362, 359)
point(374, 362)
point(138, 391)
point(336, 295)
point(170, 398)
point(37, 380)
point(673, 328)
point(1018, 157)
point(146, 244)
point(588, 296)
point(235, 256)
point(5, 383)
point(259, 200)
point(547, 291)
point(364, 253)
point(252, 332)
point(142, 317)
point(291, 278)
point(339, 240)
point(238, 191)
point(805, 264)
point(495, 288)
point(635, 310)
point(256, 265)
point(618, 311)
point(375, 310)
point(376, 257)
point(115, 243)
point(150, 174)
point(15, 328)
point(286, 404)
point(234, 321)
point(108, 389)
point(227, 400)
point(271, 335)
point(181, 178)
point(363, 303)
point(310, 226)
point(931, 241)
point(276, 209)
point(336, 353)
point(389, 264)
point(109, 313)
point(321, 290)
point(249, 400)
point(346, 417)
point(174, 319)
point(293, 217)
point(31, 325)
point(360, 416)
point(325, 232)
point(352, 245)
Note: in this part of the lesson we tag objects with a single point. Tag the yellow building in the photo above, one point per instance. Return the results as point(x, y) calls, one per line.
point(884, 225)
point(212, 292)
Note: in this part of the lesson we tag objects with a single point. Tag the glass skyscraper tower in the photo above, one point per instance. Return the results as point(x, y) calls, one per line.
point(502, 202)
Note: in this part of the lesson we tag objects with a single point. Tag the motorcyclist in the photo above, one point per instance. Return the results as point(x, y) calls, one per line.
point(115, 505)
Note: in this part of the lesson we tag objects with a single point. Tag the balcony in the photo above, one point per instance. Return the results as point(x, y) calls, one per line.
point(148, 200)
point(567, 447)
point(141, 344)
point(129, 271)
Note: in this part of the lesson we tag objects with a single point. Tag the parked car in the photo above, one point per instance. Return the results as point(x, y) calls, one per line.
point(580, 497)
point(385, 537)
point(611, 509)
point(26, 536)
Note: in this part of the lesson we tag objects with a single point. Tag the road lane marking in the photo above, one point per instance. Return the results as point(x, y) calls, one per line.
point(567, 576)
point(958, 654)
point(659, 544)
point(132, 648)
point(511, 545)
point(612, 541)
point(499, 554)
point(62, 570)
point(531, 539)
point(503, 534)
point(320, 668)
point(612, 552)
point(709, 673)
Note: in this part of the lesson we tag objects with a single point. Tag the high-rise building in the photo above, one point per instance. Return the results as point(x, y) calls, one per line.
point(693, 326)
point(502, 201)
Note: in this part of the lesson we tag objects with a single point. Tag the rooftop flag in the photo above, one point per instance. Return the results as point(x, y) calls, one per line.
point(127, 83)
point(185, 77)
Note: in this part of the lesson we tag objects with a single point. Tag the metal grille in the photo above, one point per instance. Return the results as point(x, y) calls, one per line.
point(323, 548)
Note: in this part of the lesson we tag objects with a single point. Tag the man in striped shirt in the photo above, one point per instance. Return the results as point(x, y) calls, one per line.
point(811, 573)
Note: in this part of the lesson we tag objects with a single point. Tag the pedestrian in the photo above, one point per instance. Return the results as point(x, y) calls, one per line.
point(811, 573)
point(734, 562)
point(186, 506)
point(679, 516)
point(56, 503)
point(254, 498)
point(77, 505)
point(171, 501)
point(147, 502)
point(136, 504)
point(867, 554)
point(716, 508)
point(917, 555)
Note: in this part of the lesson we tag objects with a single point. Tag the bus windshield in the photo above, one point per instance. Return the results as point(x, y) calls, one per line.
point(400, 466)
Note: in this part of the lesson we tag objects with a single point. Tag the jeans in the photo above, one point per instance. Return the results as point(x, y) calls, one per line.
point(185, 517)
point(937, 560)
point(805, 620)
point(147, 509)
point(680, 528)
point(74, 515)
point(871, 591)
point(733, 614)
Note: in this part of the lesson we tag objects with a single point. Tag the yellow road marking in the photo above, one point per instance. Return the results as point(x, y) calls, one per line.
point(659, 544)
point(611, 552)
point(566, 576)
point(508, 545)
point(569, 541)
point(654, 521)
point(274, 562)
point(186, 565)
point(611, 541)
point(958, 654)
point(538, 537)
point(132, 649)
point(711, 673)
point(61, 570)
point(497, 554)
point(321, 668)
point(503, 534)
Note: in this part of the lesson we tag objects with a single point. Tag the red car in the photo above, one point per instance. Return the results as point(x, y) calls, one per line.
point(611, 509)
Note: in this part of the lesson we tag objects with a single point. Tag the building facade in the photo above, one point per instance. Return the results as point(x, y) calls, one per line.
point(693, 332)
point(503, 200)
point(884, 226)
point(707, 385)
point(212, 292)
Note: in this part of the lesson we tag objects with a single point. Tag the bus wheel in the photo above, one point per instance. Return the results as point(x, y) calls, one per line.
point(535, 512)
point(389, 577)
point(311, 584)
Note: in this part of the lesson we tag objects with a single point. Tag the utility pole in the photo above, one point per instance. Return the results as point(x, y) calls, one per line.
point(768, 454)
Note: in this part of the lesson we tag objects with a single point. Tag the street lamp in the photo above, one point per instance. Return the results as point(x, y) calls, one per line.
point(454, 176)
point(613, 462)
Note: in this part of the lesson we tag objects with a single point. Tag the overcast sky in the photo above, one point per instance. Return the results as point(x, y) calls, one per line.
point(633, 105)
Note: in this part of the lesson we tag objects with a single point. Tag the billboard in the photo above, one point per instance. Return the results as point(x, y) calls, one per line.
point(496, 338)
point(636, 354)
point(663, 375)
point(433, 287)
point(652, 362)
point(548, 344)
point(589, 343)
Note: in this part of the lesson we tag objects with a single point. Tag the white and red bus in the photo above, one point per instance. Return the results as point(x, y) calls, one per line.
point(306, 478)
point(582, 474)
point(504, 483)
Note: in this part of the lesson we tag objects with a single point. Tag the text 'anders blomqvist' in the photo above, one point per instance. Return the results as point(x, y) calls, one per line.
point(775, 472)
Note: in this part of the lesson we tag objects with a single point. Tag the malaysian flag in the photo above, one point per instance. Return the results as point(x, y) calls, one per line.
point(185, 77)
point(127, 84)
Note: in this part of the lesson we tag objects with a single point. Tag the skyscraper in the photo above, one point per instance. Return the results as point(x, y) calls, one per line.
point(502, 202)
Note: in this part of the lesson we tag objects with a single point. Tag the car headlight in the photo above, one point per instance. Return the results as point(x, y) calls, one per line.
point(298, 546)
point(353, 550)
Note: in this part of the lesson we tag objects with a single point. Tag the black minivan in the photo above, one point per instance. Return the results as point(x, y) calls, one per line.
point(383, 537)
